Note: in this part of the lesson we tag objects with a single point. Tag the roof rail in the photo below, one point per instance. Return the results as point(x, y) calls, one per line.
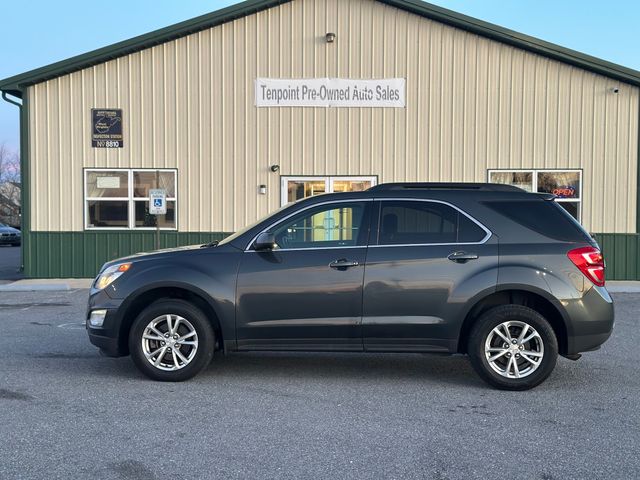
point(487, 187)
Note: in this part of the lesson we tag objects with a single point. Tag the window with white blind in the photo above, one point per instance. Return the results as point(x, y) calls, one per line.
point(119, 198)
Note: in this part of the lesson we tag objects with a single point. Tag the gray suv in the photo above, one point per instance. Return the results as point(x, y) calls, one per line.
point(505, 276)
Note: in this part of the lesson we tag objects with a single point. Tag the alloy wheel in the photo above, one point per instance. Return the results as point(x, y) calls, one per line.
point(169, 342)
point(514, 349)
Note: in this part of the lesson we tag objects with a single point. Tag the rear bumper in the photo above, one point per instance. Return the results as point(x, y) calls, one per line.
point(591, 321)
point(106, 337)
point(587, 343)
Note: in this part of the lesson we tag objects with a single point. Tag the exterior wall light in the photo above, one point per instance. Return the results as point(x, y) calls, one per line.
point(263, 189)
point(275, 168)
point(330, 37)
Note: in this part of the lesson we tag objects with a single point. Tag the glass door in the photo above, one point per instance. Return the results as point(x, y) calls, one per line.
point(297, 188)
point(294, 189)
point(346, 184)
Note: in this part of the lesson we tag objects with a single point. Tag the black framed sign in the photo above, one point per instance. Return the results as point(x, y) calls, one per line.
point(106, 128)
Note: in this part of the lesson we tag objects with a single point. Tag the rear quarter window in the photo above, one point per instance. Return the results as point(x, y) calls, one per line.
point(544, 217)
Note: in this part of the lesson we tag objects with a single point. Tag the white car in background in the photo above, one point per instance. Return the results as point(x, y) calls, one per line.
point(10, 235)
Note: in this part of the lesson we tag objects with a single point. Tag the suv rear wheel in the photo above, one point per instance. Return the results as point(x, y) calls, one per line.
point(513, 347)
point(171, 340)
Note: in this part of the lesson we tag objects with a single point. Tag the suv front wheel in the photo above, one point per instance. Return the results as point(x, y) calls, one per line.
point(513, 347)
point(171, 340)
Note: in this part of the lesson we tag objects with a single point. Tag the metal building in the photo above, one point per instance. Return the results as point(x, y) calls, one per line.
point(253, 106)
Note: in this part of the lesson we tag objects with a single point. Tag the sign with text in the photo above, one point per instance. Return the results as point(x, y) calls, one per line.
point(108, 182)
point(158, 201)
point(106, 128)
point(330, 92)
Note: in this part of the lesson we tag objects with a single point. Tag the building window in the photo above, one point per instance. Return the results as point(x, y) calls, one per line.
point(297, 188)
point(119, 198)
point(565, 184)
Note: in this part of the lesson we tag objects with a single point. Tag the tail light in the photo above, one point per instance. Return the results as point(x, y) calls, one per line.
point(590, 262)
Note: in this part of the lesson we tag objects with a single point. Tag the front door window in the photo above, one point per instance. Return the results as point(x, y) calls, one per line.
point(297, 188)
point(325, 226)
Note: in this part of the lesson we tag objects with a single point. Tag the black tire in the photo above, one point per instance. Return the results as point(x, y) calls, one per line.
point(205, 335)
point(494, 317)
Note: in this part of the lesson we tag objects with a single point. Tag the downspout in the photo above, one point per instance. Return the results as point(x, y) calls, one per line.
point(24, 178)
point(7, 99)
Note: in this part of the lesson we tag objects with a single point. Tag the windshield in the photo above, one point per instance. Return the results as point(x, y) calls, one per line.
point(231, 238)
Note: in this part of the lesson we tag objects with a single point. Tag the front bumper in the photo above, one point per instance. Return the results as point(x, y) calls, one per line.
point(10, 240)
point(107, 337)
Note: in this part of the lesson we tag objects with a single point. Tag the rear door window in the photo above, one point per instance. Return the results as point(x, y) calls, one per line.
point(423, 222)
point(469, 231)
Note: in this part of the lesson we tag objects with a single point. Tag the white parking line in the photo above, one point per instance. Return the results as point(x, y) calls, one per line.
point(72, 326)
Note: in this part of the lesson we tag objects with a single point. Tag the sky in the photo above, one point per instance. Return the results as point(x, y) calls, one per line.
point(39, 32)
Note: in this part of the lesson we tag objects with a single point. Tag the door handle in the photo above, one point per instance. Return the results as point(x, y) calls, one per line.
point(462, 257)
point(343, 263)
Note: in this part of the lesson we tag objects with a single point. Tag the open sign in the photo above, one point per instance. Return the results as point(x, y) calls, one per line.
point(564, 192)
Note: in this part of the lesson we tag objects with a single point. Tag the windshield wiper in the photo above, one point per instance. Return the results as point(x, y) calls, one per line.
point(210, 244)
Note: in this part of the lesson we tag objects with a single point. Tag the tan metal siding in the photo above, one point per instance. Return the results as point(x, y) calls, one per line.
point(472, 104)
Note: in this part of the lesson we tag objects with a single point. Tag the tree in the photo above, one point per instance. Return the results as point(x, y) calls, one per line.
point(9, 186)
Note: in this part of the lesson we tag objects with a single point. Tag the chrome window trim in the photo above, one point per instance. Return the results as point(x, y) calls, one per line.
point(488, 232)
point(311, 248)
point(424, 244)
point(329, 202)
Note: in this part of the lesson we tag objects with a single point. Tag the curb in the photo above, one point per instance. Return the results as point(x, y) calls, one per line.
point(50, 285)
point(35, 288)
point(622, 289)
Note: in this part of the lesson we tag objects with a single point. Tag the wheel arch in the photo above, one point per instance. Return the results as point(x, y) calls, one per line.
point(141, 299)
point(536, 299)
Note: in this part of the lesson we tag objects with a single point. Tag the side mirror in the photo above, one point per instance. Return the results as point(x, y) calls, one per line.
point(265, 241)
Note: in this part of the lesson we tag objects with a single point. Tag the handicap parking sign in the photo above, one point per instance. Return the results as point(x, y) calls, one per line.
point(158, 201)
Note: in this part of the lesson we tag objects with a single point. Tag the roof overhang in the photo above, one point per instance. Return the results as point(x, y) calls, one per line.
point(15, 85)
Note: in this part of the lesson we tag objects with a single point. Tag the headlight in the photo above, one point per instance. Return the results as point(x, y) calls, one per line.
point(110, 274)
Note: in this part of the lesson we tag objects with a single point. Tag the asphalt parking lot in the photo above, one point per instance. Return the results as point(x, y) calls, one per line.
point(66, 412)
point(9, 263)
